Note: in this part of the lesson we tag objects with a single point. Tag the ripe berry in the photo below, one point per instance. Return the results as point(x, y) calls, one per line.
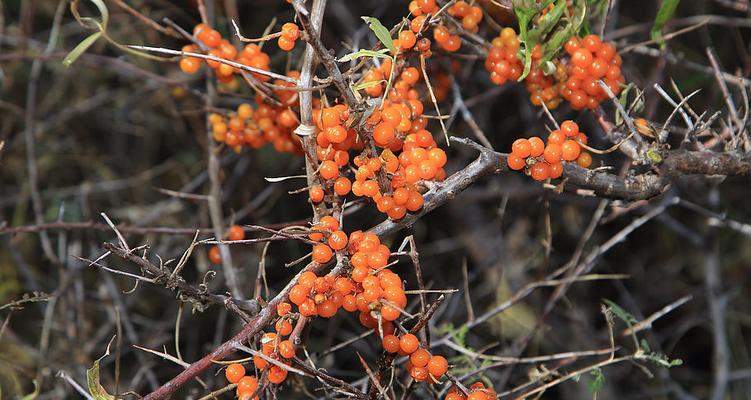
point(215, 256)
point(283, 327)
point(290, 31)
point(552, 153)
point(540, 171)
point(248, 385)
point(338, 240)
point(584, 160)
point(437, 366)
point(407, 39)
point(408, 343)
point(328, 170)
point(234, 373)
point(277, 374)
point(316, 194)
point(515, 162)
point(235, 232)
point(322, 253)
point(521, 148)
point(420, 358)
point(569, 128)
point(391, 343)
point(570, 150)
point(190, 65)
point(342, 186)
point(286, 349)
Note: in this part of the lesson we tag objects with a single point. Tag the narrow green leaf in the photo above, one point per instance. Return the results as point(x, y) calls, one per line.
point(559, 38)
point(96, 390)
point(365, 85)
point(619, 312)
point(81, 48)
point(667, 9)
point(525, 15)
point(365, 53)
point(381, 32)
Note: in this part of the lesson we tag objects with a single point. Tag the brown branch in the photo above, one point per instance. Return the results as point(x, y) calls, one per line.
point(198, 297)
point(675, 163)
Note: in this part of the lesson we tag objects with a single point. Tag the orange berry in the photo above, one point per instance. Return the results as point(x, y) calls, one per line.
point(581, 58)
point(283, 309)
point(210, 37)
point(215, 256)
point(277, 374)
point(190, 65)
point(247, 385)
point(384, 133)
point(234, 372)
point(408, 343)
point(391, 343)
point(515, 162)
point(342, 186)
point(235, 232)
point(584, 160)
point(570, 128)
point(322, 253)
point(420, 358)
point(338, 240)
point(536, 146)
point(286, 349)
point(316, 194)
point(290, 31)
point(570, 150)
point(437, 366)
point(552, 153)
point(521, 148)
point(407, 39)
point(298, 294)
point(328, 170)
point(540, 171)
point(283, 327)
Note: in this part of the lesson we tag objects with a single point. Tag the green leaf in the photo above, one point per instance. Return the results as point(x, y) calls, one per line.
point(667, 9)
point(96, 389)
point(381, 32)
point(597, 382)
point(525, 15)
point(365, 85)
point(554, 45)
point(81, 48)
point(365, 53)
point(622, 314)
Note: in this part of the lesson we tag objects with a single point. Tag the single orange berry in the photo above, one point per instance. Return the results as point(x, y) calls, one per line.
point(215, 256)
point(286, 349)
point(540, 171)
point(247, 385)
point(391, 343)
point(515, 162)
point(521, 148)
point(235, 232)
point(338, 240)
point(437, 366)
point(408, 343)
point(316, 194)
point(277, 375)
point(322, 253)
point(569, 128)
point(570, 150)
point(234, 373)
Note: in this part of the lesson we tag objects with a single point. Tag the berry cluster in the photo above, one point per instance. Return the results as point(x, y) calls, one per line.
point(235, 232)
point(544, 89)
point(543, 161)
point(423, 7)
point(246, 385)
point(470, 15)
point(502, 61)
point(251, 55)
point(289, 34)
point(254, 128)
point(477, 391)
point(421, 366)
point(447, 41)
point(591, 60)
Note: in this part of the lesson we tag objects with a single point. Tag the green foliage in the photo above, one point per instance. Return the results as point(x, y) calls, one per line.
point(381, 32)
point(383, 53)
point(597, 381)
point(667, 9)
